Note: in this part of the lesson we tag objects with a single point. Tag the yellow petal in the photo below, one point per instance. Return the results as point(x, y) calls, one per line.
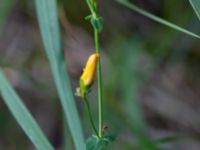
point(90, 70)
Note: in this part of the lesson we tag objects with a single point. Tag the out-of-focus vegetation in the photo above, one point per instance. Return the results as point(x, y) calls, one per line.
point(150, 73)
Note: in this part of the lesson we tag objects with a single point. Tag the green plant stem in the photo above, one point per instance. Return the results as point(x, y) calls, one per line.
point(99, 76)
point(94, 12)
point(96, 38)
point(90, 115)
point(90, 7)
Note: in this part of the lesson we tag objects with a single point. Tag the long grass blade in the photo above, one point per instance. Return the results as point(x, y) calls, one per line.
point(157, 19)
point(49, 27)
point(196, 6)
point(22, 115)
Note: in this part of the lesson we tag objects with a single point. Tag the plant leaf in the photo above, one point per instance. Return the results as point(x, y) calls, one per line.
point(22, 115)
point(91, 142)
point(156, 18)
point(94, 143)
point(50, 31)
point(97, 23)
point(196, 6)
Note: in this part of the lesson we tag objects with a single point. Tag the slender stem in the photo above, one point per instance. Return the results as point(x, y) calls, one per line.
point(90, 115)
point(91, 8)
point(99, 76)
point(94, 11)
point(96, 38)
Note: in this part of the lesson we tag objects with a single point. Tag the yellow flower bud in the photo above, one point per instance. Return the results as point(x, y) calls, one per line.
point(89, 72)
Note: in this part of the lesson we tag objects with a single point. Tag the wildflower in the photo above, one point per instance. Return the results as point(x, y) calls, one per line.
point(87, 78)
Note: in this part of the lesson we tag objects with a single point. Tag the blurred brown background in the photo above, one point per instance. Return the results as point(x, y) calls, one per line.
point(145, 65)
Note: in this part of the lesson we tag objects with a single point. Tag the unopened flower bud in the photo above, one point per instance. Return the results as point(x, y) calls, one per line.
point(89, 72)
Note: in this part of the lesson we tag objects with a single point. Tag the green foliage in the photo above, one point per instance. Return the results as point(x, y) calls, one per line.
point(22, 115)
point(49, 26)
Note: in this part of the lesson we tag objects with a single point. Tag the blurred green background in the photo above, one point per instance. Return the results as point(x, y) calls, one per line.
point(151, 73)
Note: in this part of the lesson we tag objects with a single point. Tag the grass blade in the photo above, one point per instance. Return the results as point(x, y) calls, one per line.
point(158, 19)
point(49, 27)
point(22, 115)
point(196, 6)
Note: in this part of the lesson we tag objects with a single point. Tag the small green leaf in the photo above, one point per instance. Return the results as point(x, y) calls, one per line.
point(94, 143)
point(97, 23)
point(110, 138)
point(91, 142)
point(88, 17)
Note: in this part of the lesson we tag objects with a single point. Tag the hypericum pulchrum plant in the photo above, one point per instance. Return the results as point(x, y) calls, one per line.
point(99, 140)
point(86, 81)
point(50, 31)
